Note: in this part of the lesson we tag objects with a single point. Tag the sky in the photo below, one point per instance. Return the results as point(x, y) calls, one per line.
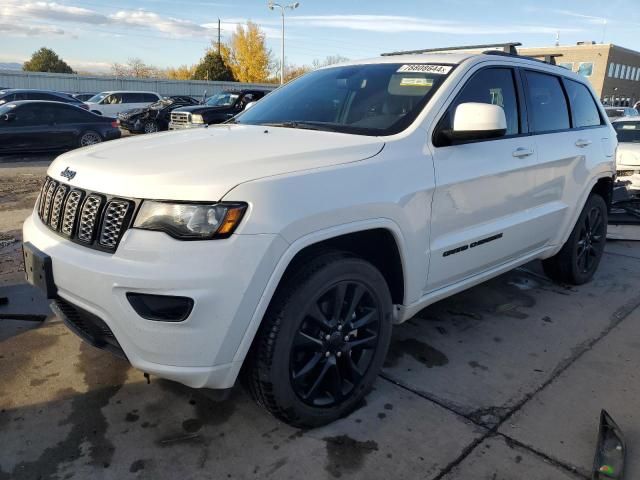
point(93, 34)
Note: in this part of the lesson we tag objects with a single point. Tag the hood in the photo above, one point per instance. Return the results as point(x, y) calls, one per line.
point(203, 164)
point(202, 108)
point(132, 112)
point(628, 154)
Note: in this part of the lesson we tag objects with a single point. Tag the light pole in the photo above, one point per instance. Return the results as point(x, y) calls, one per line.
point(282, 8)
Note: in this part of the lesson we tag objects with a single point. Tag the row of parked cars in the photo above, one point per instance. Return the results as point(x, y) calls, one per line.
point(40, 120)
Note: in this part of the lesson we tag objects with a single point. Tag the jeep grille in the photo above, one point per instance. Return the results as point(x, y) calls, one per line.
point(92, 219)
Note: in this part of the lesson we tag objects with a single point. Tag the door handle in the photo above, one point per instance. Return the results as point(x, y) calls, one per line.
point(583, 143)
point(522, 152)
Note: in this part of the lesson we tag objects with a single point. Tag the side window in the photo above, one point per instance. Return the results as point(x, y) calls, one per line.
point(495, 86)
point(547, 103)
point(585, 111)
point(149, 98)
point(113, 99)
point(131, 98)
point(30, 115)
point(64, 114)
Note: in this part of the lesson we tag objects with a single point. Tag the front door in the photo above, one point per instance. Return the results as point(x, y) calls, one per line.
point(488, 207)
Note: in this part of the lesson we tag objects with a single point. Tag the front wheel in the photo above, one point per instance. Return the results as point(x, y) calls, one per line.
point(578, 260)
point(89, 138)
point(323, 340)
point(150, 127)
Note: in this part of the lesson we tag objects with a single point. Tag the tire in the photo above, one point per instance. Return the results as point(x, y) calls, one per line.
point(89, 138)
point(151, 127)
point(292, 350)
point(578, 260)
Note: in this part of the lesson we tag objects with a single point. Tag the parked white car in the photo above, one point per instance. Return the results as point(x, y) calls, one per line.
point(288, 241)
point(110, 104)
point(628, 155)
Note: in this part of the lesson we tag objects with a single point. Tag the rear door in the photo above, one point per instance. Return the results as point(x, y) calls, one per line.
point(487, 206)
point(68, 123)
point(570, 136)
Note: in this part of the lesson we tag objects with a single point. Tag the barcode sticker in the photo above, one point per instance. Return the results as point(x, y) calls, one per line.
point(426, 68)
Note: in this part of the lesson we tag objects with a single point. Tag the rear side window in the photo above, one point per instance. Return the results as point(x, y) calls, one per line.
point(583, 106)
point(149, 97)
point(547, 103)
point(131, 98)
point(70, 114)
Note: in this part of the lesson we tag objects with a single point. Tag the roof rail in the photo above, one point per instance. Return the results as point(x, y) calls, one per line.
point(547, 57)
point(506, 48)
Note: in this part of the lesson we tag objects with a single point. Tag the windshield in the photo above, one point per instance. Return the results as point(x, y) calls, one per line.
point(615, 112)
point(628, 132)
point(97, 98)
point(376, 99)
point(224, 99)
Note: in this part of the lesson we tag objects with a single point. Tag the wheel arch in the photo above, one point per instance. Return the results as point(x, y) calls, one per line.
point(350, 237)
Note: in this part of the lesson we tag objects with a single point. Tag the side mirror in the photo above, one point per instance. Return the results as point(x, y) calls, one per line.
point(478, 121)
point(249, 105)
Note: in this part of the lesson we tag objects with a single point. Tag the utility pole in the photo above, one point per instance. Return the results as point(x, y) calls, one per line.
point(282, 8)
point(219, 37)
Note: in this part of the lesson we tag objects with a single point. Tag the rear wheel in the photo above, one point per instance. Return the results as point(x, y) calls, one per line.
point(322, 342)
point(578, 260)
point(90, 138)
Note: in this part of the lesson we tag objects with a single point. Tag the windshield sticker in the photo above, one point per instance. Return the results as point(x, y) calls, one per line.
point(416, 82)
point(426, 68)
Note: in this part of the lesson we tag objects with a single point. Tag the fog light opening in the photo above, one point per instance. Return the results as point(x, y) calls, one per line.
point(161, 308)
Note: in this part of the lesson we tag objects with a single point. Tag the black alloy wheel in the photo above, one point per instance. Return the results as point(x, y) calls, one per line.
point(322, 341)
point(591, 240)
point(335, 343)
point(579, 258)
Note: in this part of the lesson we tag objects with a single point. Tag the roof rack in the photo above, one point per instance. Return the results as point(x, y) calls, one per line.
point(509, 48)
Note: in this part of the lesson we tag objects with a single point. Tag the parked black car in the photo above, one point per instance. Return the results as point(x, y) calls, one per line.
point(17, 94)
point(217, 109)
point(155, 117)
point(51, 126)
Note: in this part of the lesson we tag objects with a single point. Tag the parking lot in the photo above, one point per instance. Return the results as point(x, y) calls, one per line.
point(503, 381)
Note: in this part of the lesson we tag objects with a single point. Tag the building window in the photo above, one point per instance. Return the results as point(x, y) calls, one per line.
point(628, 77)
point(612, 67)
point(617, 73)
point(634, 71)
point(638, 75)
point(585, 69)
point(567, 65)
point(623, 72)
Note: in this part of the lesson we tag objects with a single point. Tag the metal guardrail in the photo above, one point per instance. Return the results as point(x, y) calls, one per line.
point(93, 84)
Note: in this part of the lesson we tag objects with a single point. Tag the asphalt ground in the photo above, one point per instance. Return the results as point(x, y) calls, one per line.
point(503, 381)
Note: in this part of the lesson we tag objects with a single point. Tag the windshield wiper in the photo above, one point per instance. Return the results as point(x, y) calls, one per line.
point(302, 126)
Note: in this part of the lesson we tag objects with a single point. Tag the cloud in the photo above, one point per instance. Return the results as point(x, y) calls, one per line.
point(172, 26)
point(396, 24)
point(28, 30)
point(568, 13)
point(51, 11)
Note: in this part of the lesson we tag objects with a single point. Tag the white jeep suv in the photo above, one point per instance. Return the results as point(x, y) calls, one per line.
point(288, 241)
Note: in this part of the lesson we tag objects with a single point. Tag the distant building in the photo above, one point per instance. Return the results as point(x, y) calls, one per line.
point(613, 71)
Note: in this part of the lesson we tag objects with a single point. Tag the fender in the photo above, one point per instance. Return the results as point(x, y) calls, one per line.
point(285, 260)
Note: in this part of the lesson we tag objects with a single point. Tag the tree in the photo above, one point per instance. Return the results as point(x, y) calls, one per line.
point(46, 60)
point(183, 72)
point(134, 67)
point(213, 67)
point(248, 55)
point(294, 71)
point(329, 60)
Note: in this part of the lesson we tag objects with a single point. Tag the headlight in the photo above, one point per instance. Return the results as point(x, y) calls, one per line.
point(190, 221)
point(195, 118)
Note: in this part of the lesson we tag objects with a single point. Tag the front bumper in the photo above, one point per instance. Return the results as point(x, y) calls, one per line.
point(225, 278)
point(185, 126)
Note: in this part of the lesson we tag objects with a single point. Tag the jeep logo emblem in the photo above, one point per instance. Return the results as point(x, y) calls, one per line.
point(68, 174)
